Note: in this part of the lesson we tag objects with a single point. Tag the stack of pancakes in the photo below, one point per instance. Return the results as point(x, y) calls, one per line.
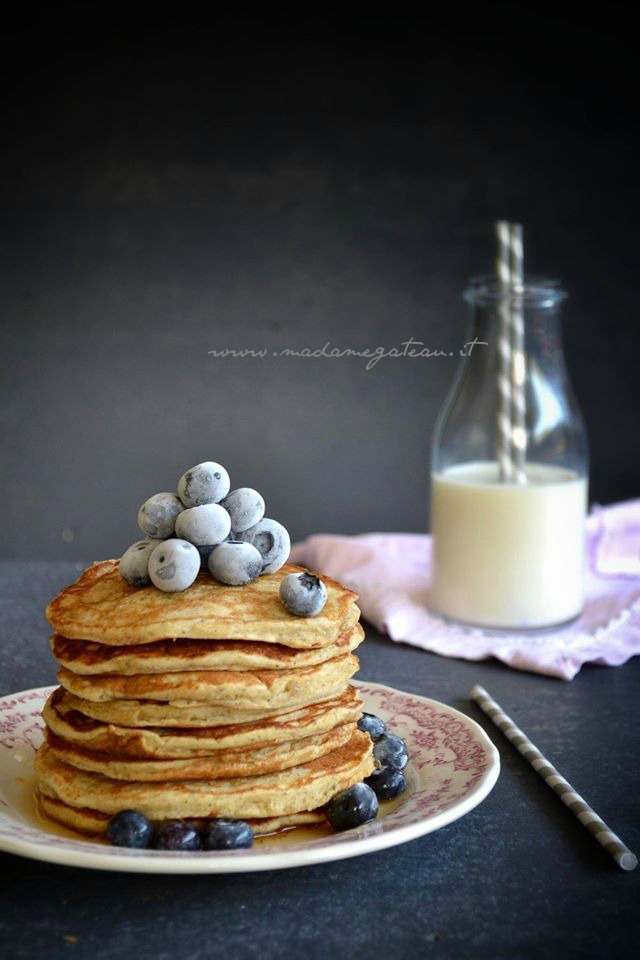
point(213, 702)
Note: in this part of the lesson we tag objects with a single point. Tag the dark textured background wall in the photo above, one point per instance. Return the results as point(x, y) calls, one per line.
point(172, 191)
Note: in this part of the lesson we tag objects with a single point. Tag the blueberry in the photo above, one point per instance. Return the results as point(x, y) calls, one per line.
point(204, 549)
point(134, 562)
point(205, 483)
point(272, 541)
point(207, 524)
point(177, 835)
point(227, 835)
point(245, 507)
point(387, 782)
point(391, 751)
point(174, 565)
point(130, 829)
point(372, 725)
point(303, 594)
point(235, 562)
point(353, 807)
point(157, 515)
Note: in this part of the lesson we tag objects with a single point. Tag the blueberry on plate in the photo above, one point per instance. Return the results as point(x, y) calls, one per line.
point(391, 751)
point(372, 725)
point(177, 835)
point(352, 807)
point(130, 829)
point(387, 782)
point(227, 835)
point(303, 594)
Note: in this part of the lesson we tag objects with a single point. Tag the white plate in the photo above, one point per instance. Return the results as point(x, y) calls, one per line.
point(453, 767)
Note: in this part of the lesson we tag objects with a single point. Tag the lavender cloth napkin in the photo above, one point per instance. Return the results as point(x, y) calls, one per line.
point(392, 574)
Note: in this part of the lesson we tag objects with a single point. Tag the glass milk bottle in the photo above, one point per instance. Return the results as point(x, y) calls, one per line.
point(510, 552)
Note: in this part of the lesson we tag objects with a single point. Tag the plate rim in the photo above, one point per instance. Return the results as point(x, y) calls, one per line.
point(245, 861)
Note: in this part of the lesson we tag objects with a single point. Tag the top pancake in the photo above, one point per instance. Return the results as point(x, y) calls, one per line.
point(101, 606)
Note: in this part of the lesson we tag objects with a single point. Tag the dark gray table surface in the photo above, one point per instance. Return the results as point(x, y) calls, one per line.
point(517, 877)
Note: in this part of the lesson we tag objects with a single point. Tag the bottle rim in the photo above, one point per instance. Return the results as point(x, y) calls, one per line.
point(535, 291)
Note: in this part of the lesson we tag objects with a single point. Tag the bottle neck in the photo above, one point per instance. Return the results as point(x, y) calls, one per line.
point(541, 339)
point(516, 374)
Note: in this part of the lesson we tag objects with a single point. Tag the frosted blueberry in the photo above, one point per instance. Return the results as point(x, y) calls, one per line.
point(245, 507)
point(235, 563)
point(205, 483)
point(204, 525)
point(174, 565)
point(272, 541)
point(134, 562)
point(157, 515)
point(303, 594)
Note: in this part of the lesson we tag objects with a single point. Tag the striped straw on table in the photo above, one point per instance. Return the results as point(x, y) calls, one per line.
point(587, 817)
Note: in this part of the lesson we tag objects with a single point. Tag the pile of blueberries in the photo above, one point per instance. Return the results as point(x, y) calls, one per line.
point(352, 807)
point(204, 524)
point(359, 804)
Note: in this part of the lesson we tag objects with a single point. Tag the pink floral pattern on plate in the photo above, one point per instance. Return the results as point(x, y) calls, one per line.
point(453, 766)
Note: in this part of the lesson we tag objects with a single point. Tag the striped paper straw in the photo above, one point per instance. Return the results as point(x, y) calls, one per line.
point(503, 423)
point(587, 817)
point(518, 426)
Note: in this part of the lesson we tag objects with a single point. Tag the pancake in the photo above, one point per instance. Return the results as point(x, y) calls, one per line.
point(246, 690)
point(92, 823)
point(212, 702)
point(102, 607)
point(64, 719)
point(247, 762)
point(184, 713)
point(176, 656)
point(297, 789)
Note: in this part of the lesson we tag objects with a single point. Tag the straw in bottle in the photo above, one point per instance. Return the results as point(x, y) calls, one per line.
point(503, 433)
point(511, 435)
point(518, 428)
